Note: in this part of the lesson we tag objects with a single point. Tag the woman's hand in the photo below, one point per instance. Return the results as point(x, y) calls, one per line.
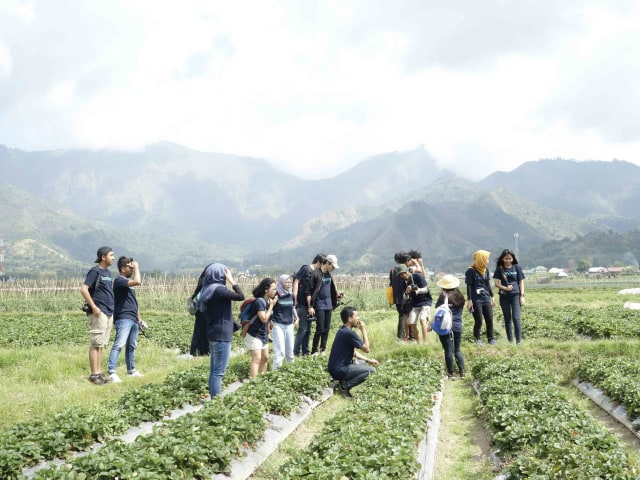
point(228, 276)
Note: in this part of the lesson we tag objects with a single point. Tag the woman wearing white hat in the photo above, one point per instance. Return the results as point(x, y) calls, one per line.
point(451, 341)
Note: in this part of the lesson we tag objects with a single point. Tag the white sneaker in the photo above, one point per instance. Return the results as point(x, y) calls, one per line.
point(135, 373)
point(114, 378)
point(185, 356)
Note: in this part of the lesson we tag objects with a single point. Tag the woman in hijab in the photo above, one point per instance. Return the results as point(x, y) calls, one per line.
point(215, 305)
point(284, 319)
point(480, 296)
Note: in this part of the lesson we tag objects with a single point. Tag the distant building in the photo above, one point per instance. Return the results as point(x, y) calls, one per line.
point(560, 272)
point(596, 271)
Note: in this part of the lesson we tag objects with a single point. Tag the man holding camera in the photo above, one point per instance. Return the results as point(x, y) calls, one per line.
point(97, 291)
point(346, 365)
point(127, 318)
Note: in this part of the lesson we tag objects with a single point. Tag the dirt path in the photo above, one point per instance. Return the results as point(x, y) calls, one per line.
point(299, 439)
point(464, 446)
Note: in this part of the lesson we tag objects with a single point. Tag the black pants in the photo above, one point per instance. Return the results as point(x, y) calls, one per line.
point(323, 324)
point(485, 310)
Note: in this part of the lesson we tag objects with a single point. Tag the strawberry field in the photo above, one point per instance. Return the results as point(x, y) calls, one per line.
point(539, 424)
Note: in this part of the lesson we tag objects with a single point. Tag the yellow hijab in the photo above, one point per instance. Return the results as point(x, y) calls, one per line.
point(480, 261)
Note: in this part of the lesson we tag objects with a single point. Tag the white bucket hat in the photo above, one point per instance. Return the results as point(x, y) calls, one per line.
point(448, 282)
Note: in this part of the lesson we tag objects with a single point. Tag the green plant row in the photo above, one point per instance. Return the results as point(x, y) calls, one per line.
point(28, 443)
point(568, 322)
point(618, 378)
point(202, 443)
point(539, 432)
point(375, 436)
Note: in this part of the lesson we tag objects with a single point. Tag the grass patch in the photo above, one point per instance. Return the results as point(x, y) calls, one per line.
point(38, 382)
point(464, 445)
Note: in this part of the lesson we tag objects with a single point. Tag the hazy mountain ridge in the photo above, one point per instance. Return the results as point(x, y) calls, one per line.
point(602, 191)
point(175, 208)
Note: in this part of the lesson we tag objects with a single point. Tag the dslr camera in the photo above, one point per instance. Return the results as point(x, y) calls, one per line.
point(142, 325)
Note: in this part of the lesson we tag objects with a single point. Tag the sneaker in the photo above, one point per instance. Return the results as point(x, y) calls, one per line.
point(113, 377)
point(135, 373)
point(344, 392)
point(479, 342)
point(492, 342)
point(323, 353)
point(452, 377)
point(185, 356)
point(97, 379)
point(462, 374)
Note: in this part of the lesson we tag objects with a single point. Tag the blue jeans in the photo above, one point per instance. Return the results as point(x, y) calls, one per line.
point(282, 344)
point(126, 334)
point(510, 305)
point(357, 374)
point(219, 353)
point(301, 344)
point(451, 345)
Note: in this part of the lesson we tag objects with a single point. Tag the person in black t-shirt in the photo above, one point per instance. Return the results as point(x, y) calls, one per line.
point(126, 318)
point(97, 291)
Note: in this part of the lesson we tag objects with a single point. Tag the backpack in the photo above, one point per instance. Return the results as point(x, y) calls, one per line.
point(390, 299)
point(247, 317)
point(442, 319)
point(192, 304)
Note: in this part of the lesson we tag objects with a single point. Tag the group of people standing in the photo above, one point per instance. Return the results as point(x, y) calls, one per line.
point(277, 308)
point(308, 296)
point(109, 302)
point(409, 284)
point(508, 278)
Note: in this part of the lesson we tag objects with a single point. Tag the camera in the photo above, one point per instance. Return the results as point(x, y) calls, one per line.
point(414, 288)
point(86, 308)
point(142, 325)
point(479, 291)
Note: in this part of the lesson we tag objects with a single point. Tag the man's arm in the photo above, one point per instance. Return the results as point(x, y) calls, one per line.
point(365, 346)
point(134, 281)
point(372, 361)
point(294, 291)
point(365, 337)
point(86, 294)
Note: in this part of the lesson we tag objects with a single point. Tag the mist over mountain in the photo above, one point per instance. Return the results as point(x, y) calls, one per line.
point(176, 209)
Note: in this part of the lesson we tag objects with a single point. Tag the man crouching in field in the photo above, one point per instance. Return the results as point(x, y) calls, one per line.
point(349, 367)
point(97, 291)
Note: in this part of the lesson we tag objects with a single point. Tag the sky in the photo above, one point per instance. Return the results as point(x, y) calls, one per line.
point(315, 87)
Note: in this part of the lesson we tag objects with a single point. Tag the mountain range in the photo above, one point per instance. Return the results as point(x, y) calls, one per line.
point(175, 209)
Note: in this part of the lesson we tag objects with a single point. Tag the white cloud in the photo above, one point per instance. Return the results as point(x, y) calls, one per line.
point(316, 87)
